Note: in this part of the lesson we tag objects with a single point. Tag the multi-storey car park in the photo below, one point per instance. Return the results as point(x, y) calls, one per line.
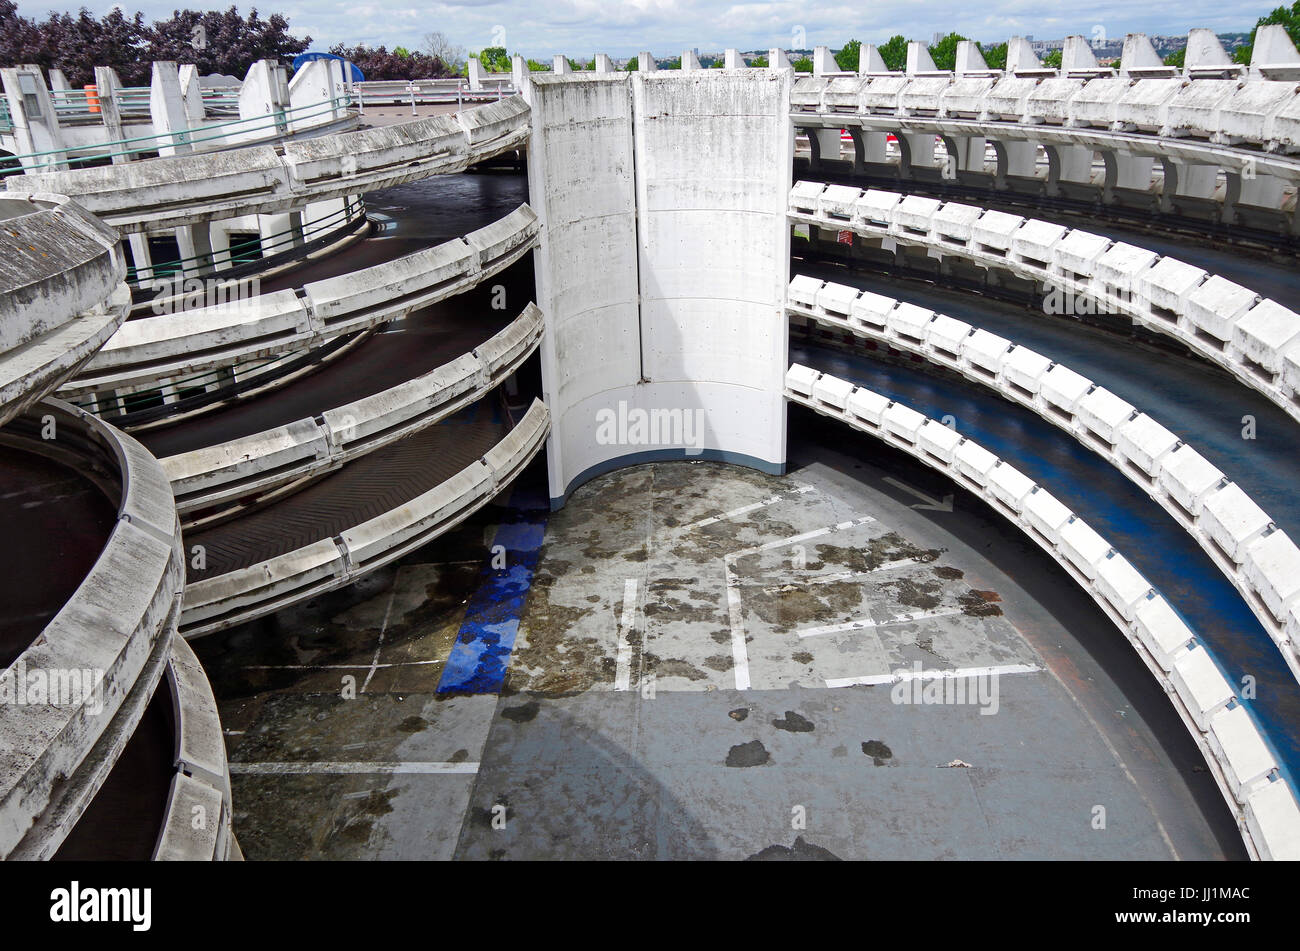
point(918, 461)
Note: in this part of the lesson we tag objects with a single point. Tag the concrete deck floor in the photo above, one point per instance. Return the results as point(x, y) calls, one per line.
point(620, 732)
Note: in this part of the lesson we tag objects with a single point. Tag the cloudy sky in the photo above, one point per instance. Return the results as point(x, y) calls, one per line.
point(579, 28)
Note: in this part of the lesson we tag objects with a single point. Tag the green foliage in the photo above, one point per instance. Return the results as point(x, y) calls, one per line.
point(1288, 17)
point(1176, 58)
point(674, 63)
point(536, 67)
point(996, 56)
point(944, 53)
point(760, 62)
point(803, 65)
point(494, 59)
point(894, 53)
point(632, 65)
point(1053, 59)
point(402, 51)
point(847, 57)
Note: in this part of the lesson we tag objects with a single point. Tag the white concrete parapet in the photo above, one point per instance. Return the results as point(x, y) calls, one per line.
point(1239, 757)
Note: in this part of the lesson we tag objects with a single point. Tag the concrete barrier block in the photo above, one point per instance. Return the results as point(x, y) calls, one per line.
point(1049, 102)
point(1142, 443)
point(974, 462)
point(1166, 286)
point(1232, 521)
point(1076, 254)
point(1192, 111)
point(358, 422)
point(1062, 388)
point(413, 279)
point(832, 391)
point(803, 291)
point(1162, 631)
point(1083, 547)
point(965, 97)
point(1008, 99)
point(805, 195)
point(985, 351)
point(1120, 267)
point(497, 241)
point(938, 440)
point(1009, 485)
point(800, 379)
point(1264, 334)
point(947, 336)
point(209, 597)
point(1283, 127)
point(837, 299)
point(247, 458)
point(1024, 369)
point(1033, 243)
point(902, 421)
point(1188, 478)
point(873, 310)
point(1122, 585)
point(874, 208)
point(1273, 819)
point(1145, 105)
point(1094, 104)
point(921, 95)
point(1200, 685)
point(492, 124)
point(954, 223)
point(367, 150)
point(1243, 115)
point(1272, 568)
point(1045, 513)
point(842, 93)
point(1247, 759)
point(837, 202)
point(912, 215)
point(909, 322)
point(1215, 306)
point(867, 406)
point(880, 94)
point(1291, 371)
point(180, 840)
point(806, 94)
point(1102, 413)
point(994, 230)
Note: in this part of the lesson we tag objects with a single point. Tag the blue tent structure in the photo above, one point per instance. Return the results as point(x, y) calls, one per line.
point(357, 75)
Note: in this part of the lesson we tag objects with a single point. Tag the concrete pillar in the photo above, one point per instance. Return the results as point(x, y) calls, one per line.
point(869, 148)
point(1245, 188)
point(1128, 171)
point(263, 98)
point(825, 144)
point(560, 65)
point(965, 154)
point(195, 244)
point(1067, 163)
point(776, 59)
point(107, 85)
point(518, 72)
point(919, 59)
point(917, 149)
point(58, 81)
point(192, 93)
point(690, 61)
point(604, 64)
point(35, 123)
point(733, 60)
point(475, 74)
point(823, 62)
point(969, 59)
point(1139, 59)
point(645, 62)
point(870, 60)
point(1015, 160)
point(167, 108)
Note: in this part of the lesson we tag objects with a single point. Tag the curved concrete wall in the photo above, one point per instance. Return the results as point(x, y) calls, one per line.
point(157, 349)
point(61, 295)
point(216, 603)
point(119, 623)
point(188, 189)
point(312, 446)
point(661, 286)
point(1238, 756)
point(1260, 560)
point(1255, 339)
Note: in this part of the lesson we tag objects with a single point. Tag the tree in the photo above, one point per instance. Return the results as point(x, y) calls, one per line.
point(440, 47)
point(847, 57)
point(380, 63)
point(995, 57)
point(1053, 59)
point(1176, 58)
point(632, 65)
point(944, 53)
point(1288, 17)
point(760, 62)
point(803, 65)
point(493, 58)
point(894, 53)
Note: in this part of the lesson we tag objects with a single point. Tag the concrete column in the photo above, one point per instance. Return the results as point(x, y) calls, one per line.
point(733, 60)
point(196, 249)
point(966, 153)
point(475, 74)
point(776, 59)
point(690, 61)
point(604, 64)
point(560, 65)
point(1067, 163)
point(826, 144)
point(824, 62)
point(192, 93)
point(918, 149)
point(58, 81)
point(107, 84)
point(1128, 171)
point(645, 62)
point(35, 123)
point(167, 109)
point(870, 60)
point(1015, 160)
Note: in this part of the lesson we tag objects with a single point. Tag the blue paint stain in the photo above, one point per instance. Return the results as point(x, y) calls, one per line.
point(487, 634)
point(1097, 492)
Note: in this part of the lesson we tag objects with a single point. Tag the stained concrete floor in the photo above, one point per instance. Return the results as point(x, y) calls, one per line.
point(680, 688)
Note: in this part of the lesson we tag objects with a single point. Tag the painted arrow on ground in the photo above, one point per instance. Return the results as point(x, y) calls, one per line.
point(926, 502)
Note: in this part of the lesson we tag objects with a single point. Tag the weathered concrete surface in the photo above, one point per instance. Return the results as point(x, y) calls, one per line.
point(580, 768)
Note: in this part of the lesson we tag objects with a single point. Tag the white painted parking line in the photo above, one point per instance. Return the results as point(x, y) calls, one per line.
point(295, 768)
point(862, 623)
point(626, 625)
point(899, 676)
point(746, 509)
point(843, 575)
